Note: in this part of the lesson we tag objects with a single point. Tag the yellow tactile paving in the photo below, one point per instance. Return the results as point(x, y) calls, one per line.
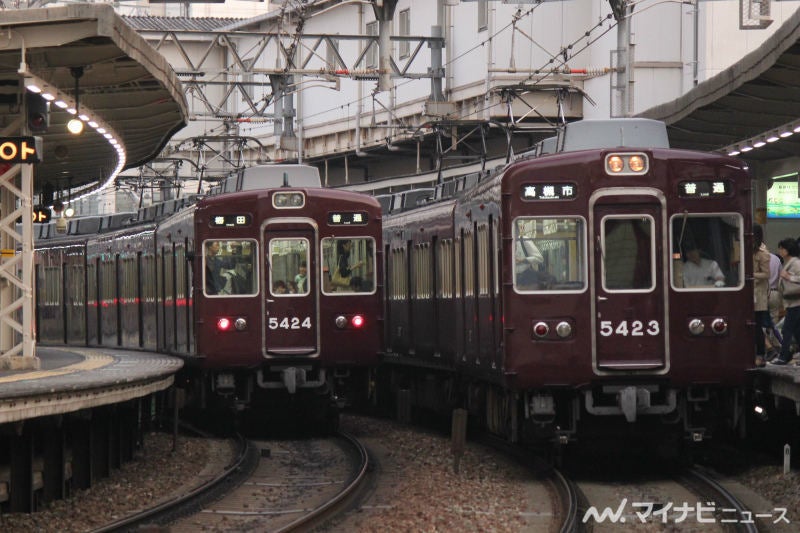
point(91, 361)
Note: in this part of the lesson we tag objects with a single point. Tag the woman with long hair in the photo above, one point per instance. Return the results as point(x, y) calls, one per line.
point(789, 250)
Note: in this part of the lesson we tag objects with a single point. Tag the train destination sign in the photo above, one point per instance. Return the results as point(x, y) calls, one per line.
point(42, 215)
point(20, 149)
point(347, 218)
point(704, 188)
point(230, 221)
point(549, 191)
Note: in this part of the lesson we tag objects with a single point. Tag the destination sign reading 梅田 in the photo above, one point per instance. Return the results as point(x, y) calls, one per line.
point(230, 221)
point(346, 218)
point(704, 188)
point(549, 191)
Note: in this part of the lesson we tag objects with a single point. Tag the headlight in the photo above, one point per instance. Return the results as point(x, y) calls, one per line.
point(563, 330)
point(696, 326)
point(627, 164)
point(288, 200)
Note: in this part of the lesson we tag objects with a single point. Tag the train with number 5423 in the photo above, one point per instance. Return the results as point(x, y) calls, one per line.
point(599, 285)
point(268, 291)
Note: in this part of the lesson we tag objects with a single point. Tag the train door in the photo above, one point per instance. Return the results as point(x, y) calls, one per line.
point(485, 289)
point(470, 311)
point(291, 308)
point(629, 284)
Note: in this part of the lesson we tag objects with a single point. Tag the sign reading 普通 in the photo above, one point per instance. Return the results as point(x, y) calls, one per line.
point(20, 149)
point(347, 218)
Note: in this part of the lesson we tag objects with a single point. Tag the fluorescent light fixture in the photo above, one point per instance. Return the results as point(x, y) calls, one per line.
point(772, 138)
point(787, 133)
point(746, 148)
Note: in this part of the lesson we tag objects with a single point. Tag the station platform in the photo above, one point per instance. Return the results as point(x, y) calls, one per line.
point(75, 378)
point(780, 381)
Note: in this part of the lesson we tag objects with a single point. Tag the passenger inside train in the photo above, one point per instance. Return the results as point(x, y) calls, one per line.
point(229, 268)
point(351, 265)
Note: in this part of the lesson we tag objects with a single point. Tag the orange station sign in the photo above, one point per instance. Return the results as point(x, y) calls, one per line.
point(20, 149)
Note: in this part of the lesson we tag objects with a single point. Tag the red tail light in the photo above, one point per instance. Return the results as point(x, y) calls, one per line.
point(541, 329)
point(350, 321)
point(224, 324)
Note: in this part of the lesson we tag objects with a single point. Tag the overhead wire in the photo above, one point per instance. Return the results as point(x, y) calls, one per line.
point(564, 55)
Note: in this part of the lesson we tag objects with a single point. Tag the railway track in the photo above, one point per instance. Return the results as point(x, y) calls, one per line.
point(569, 502)
point(274, 485)
point(295, 485)
point(691, 499)
point(730, 512)
point(218, 480)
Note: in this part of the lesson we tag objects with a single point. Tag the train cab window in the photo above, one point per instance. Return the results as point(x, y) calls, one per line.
point(348, 265)
point(706, 251)
point(628, 253)
point(549, 254)
point(288, 267)
point(230, 268)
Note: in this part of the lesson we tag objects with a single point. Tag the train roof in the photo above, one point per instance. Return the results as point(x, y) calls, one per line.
point(594, 134)
point(311, 192)
point(273, 176)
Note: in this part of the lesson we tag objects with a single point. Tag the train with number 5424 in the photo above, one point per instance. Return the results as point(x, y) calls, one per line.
point(600, 285)
point(268, 291)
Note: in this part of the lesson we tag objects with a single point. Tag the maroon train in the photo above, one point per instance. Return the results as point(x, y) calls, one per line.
point(557, 298)
point(251, 332)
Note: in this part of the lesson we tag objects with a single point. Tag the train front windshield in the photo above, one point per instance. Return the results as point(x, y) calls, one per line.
point(230, 268)
point(706, 251)
point(549, 254)
point(348, 265)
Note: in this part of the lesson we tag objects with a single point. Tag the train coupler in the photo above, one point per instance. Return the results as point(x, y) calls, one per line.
point(630, 401)
point(290, 378)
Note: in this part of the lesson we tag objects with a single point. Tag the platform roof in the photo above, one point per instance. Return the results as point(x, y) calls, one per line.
point(125, 83)
point(756, 97)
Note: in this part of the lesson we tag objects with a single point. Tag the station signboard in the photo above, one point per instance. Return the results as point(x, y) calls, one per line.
point(20, 149)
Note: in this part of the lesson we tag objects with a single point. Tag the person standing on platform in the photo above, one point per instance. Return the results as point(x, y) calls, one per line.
point(760, 291)
point(789, 250)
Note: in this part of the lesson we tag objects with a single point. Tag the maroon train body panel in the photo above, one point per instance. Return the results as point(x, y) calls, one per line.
point(570, 297)
point(152, 284)
point(300, 326)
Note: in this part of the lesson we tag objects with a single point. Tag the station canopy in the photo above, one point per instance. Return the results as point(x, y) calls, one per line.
point(754, 100)
point(128, 88)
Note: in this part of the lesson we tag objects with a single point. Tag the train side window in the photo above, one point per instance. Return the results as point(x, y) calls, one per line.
point(348, 265)
point(706, 251)
point(549, 254)
point(288, 267)
point(230, 268)
point(628, 253)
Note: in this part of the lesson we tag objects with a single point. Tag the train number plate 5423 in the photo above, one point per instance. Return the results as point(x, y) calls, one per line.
point(634, 328)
